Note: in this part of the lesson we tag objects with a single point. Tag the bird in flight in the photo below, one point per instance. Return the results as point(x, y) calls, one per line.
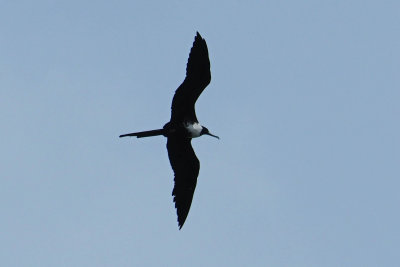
point(183, 126)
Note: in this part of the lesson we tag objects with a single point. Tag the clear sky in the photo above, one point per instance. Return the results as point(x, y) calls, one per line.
point(304, 95)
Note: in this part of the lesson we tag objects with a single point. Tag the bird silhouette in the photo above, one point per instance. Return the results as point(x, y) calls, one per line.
point(183, 126)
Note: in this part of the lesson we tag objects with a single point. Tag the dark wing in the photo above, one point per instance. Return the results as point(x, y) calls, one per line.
point(198, 76)
point(186, 167)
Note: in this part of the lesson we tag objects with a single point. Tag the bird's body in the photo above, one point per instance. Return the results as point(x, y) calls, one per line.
point(183, 126)
point(194, 129)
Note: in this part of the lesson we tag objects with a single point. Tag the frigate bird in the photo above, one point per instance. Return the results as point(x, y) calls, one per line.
point(183, 126)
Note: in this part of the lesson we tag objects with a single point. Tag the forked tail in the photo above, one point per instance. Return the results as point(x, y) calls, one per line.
point(145, 133)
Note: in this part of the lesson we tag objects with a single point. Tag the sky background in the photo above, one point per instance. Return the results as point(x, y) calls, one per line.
point(304, 95)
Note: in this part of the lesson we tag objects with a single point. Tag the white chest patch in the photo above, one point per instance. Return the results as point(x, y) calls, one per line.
point(194, 129)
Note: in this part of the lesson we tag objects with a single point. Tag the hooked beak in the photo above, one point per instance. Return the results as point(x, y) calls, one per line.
point(212, 135)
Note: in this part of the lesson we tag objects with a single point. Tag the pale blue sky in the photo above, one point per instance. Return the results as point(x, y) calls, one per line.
point(304, 95)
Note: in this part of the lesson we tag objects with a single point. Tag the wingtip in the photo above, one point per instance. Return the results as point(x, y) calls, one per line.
point(180, 224)
point(198, 35)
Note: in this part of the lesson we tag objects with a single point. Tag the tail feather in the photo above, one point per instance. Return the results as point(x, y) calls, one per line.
point(145, 133)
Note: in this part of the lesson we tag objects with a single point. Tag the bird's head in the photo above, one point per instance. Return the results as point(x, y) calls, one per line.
point(207, 132)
